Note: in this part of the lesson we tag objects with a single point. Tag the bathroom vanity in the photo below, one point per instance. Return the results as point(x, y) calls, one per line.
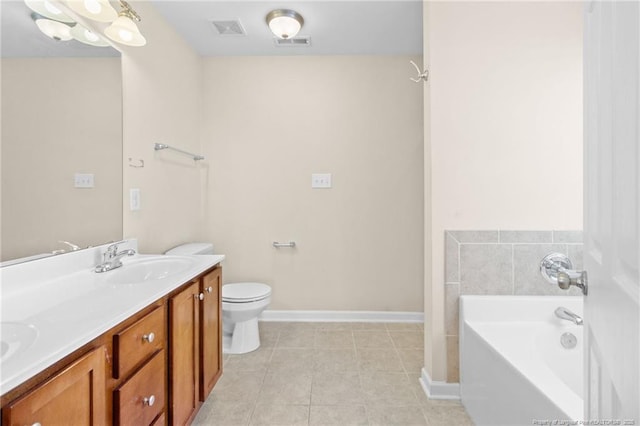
point(134, 349)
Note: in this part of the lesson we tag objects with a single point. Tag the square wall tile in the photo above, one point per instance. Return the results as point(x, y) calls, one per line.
point(569, 237)
point(451, 264)
point(453, 360)
point(576, 255)
point(486, 269)
point(526, 237)
point(451, 307)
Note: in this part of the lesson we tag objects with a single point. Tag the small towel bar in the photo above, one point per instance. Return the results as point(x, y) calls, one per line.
point(290, 244)
point(159, 146)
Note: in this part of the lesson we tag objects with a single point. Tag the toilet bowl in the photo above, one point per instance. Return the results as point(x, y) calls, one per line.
point(242, 303)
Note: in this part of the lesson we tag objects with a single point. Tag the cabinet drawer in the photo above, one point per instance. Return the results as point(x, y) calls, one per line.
point(141, 398)
point(135, 344)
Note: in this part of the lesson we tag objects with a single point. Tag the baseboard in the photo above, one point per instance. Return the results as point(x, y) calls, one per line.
point(342, 316)
point(439, 390)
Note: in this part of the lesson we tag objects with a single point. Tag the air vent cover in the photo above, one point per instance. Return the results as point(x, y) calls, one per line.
point(295, 41)
point(228, 28)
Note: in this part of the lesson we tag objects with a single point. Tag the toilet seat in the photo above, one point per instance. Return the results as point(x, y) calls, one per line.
point(245, 292)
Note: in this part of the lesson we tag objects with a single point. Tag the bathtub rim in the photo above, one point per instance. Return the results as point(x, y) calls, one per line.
point(558, 389)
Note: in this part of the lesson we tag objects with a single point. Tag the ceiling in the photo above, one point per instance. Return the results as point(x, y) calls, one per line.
point(335, 27)
point(361, 27)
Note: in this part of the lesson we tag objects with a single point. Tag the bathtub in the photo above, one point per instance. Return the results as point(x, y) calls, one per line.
point(513, 367)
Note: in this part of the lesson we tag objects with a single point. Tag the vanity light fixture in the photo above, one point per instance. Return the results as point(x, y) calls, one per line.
point(86, 36)
point(48, 10)
point(98, 10)
point(284, 23)
point(52, 29)
point(124, 29)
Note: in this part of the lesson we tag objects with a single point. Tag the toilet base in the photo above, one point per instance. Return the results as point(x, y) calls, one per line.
point(244, 338)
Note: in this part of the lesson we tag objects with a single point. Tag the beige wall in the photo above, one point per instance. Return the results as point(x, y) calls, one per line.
point(272, 122)
point(162, 92)
point(506, 128)
point(60, 116)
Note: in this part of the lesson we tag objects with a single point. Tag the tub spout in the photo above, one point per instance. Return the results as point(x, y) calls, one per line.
point(566, 314)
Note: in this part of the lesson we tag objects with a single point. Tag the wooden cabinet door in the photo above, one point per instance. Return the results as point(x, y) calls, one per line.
point(184, 337)
point(211, 336)
point(75, 396)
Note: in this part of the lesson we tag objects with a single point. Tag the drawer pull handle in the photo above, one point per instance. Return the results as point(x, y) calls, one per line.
point(149, 337)
point(209, 289)
point(37, 424)
point(149, 400)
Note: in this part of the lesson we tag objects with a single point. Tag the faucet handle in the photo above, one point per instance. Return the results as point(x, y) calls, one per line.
point(111, 252)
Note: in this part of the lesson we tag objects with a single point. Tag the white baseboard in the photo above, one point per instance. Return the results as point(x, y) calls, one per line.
point(439, 390)
point(342, 316)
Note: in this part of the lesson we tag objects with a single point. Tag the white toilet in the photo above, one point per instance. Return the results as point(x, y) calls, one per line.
point(242, 303)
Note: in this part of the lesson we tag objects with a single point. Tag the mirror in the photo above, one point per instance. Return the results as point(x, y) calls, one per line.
point(61, 132)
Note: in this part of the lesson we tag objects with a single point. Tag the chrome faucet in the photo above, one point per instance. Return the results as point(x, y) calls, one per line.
point(112, 258)
point(566, 314)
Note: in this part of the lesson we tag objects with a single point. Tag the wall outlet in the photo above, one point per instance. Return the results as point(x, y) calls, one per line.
point(321, 180)
point(83, 180)
point(134, 199)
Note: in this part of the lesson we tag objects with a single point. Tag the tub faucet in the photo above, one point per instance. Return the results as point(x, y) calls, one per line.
point(566, 314)
point(112, 258)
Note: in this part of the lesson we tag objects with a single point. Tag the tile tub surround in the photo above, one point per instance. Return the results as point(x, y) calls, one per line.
point(499, 262)
point(312, 373)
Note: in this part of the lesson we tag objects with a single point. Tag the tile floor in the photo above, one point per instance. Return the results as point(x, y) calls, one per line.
point(329, 374)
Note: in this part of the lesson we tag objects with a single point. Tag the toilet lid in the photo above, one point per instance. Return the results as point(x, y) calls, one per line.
point(245, 292)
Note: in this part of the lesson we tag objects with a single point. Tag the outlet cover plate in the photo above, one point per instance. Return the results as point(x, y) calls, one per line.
point(321, 180)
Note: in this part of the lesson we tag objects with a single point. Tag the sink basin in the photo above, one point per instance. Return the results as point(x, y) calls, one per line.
point(141, 271)
point(15, 337)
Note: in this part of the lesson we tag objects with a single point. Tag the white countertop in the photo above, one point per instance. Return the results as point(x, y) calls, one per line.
point(69, 304)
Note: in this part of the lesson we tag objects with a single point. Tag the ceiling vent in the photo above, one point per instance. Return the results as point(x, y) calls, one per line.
point(228, 28)
point(295, 41)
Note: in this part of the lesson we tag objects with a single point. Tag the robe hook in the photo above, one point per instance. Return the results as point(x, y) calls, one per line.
point(422, 75)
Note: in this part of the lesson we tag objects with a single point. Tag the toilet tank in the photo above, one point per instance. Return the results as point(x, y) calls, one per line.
point(191, 248)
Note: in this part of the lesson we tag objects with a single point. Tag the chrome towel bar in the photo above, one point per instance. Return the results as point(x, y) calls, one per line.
point(290, 244)
point(159, 146)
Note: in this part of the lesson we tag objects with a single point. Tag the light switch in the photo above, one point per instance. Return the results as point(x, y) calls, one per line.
point(321, 180)
point(83, 180)
point(134, 199)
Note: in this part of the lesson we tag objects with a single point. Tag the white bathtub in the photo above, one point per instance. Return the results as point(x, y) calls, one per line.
point(513, 368)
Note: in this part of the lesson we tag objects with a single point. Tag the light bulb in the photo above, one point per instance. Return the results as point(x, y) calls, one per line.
point(93, 6)
point(125, 35)
point(51, 8)
point(90, 36)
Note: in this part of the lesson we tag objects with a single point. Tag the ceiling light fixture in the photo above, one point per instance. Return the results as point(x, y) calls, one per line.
point(47, 10)
point(98, 10)
point(86, 36)
point(124, 30)
point(284, 23)
point(52, 29)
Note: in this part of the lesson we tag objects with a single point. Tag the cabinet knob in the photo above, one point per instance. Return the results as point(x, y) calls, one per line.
point(149, 400)
point(37, 424)
point(149, 337)
point(201, 296)
point(209, 289)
